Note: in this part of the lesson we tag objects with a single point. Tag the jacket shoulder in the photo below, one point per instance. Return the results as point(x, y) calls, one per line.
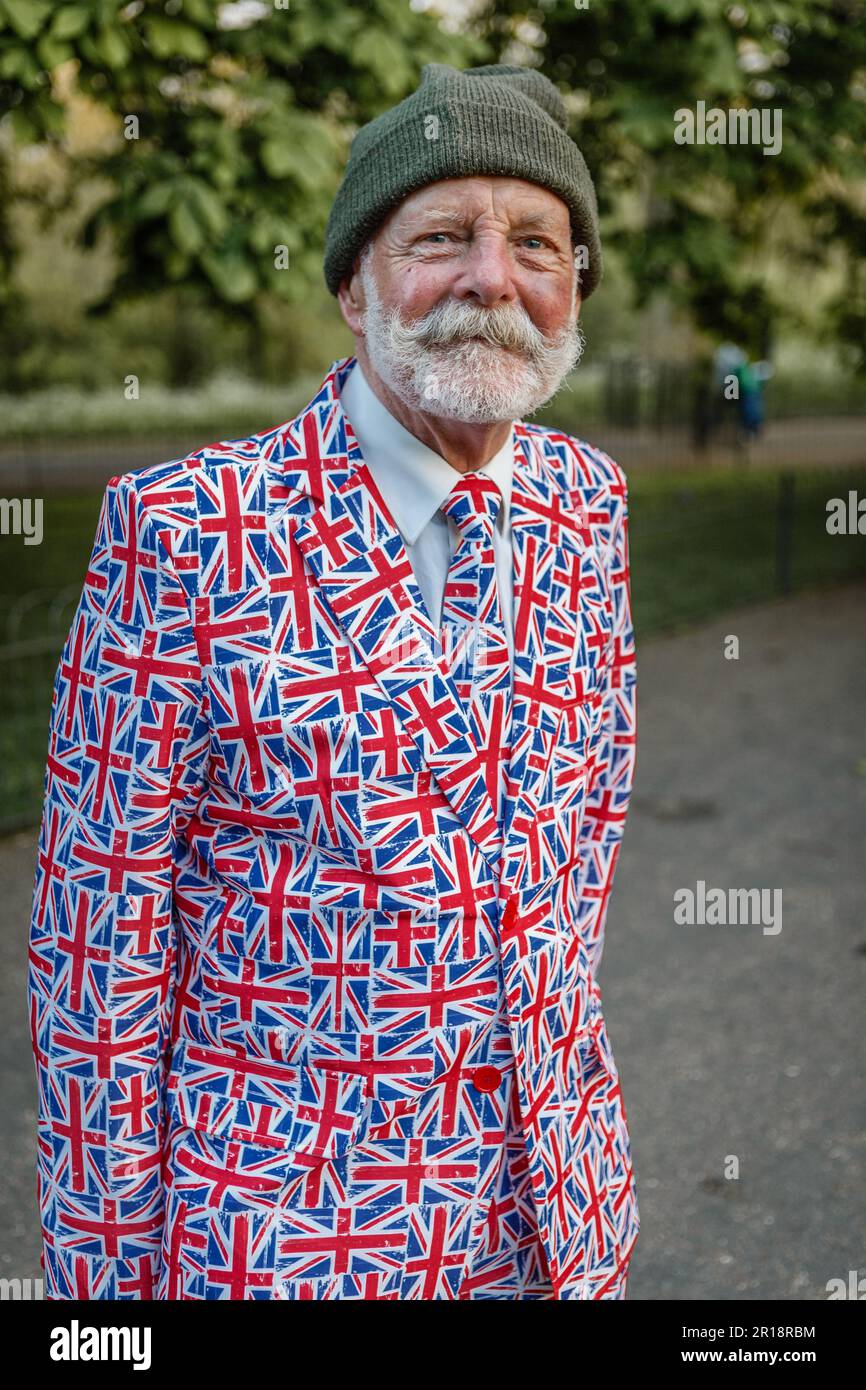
point(173, 499)
point(240, 456)
point(276, 454)
point(580, 464)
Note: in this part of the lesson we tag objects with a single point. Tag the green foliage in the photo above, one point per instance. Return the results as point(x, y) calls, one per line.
point(232, 123)
point(703, 223)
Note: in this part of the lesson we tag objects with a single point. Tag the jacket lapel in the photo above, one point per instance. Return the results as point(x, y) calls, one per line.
point(548, 538)
point(352, 546)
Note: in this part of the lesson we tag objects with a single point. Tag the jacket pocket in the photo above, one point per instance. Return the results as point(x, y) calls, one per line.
point(274, 1105)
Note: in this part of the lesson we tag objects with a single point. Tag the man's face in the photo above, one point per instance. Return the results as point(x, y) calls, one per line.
point(468, 302)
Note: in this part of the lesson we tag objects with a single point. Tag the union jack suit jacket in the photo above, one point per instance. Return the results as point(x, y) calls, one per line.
point(309, 1022)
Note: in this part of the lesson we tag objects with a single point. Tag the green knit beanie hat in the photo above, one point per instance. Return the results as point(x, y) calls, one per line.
point(496, 119)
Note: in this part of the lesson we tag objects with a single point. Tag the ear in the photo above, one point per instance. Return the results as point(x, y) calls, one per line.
point(578, 277)
point(350, 297)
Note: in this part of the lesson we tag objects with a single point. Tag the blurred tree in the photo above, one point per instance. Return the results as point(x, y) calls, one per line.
point(231, 123)
point(703, 222)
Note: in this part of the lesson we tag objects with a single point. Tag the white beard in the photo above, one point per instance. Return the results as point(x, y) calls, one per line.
point(434, 365)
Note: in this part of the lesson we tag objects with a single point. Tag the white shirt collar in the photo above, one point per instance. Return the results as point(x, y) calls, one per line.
point(414, 480)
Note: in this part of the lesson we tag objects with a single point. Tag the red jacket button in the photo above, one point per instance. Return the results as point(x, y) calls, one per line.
point(486, 1078)
point(509, 914)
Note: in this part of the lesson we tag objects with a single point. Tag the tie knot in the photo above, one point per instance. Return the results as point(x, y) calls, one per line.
point(473, 504)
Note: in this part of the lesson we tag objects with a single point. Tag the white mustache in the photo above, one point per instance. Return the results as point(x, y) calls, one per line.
point(444, 327)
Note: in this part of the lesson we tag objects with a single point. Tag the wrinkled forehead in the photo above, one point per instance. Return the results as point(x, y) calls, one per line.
point(460, 201)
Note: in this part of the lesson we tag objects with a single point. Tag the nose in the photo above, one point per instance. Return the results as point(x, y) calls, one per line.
point(485, 272)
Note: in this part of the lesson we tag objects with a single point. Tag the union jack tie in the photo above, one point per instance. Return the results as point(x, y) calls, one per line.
point(476, 646)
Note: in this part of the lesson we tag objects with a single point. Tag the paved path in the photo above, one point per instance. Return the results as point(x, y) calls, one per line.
point(729, 1041)
point(42, 467)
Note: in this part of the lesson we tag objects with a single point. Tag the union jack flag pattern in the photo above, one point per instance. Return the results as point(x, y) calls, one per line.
point(311, 1020)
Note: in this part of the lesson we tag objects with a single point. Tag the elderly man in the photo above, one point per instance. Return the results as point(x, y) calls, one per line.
point(341, 748)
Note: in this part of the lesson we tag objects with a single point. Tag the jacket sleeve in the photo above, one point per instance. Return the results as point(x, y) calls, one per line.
point(612, 764)
point(128, 740)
